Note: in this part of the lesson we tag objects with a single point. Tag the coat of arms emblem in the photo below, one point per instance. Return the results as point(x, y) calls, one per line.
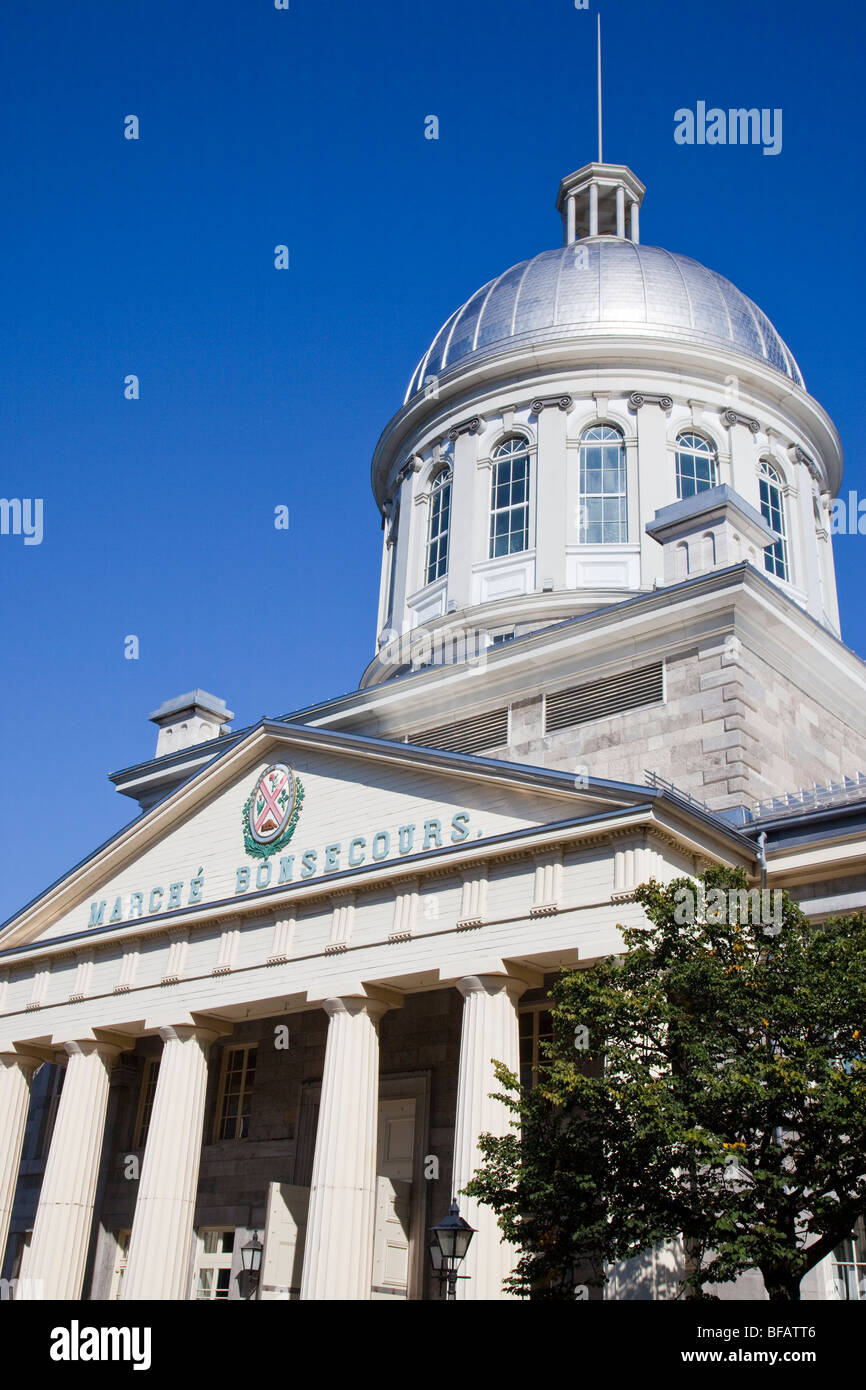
point(271, 811)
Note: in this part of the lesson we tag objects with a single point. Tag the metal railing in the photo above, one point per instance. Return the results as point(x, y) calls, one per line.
point(819, 795)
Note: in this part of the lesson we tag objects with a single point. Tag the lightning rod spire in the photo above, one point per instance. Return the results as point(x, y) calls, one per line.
point(600, 159)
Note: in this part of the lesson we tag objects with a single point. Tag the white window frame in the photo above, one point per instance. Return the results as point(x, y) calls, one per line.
point(691, 451)
point(213, 1261)
point(776, 559)
point(597, 438)
point(849, 1274)
point(534, 1010)
point(219, 1136)
point(498, 458)
point(441, 497)
point(146, 1098)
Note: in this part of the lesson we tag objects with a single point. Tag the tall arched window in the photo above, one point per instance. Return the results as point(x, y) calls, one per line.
point(603, 487)
point(773, 512)
point(440, 522)
point(697, 465)
point(509, 505)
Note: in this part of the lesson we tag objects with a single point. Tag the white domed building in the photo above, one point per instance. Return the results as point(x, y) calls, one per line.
point(607, 649)
point(569, 400)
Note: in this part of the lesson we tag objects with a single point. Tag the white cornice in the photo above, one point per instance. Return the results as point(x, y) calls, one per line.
point(471, 386)
point(658, 624)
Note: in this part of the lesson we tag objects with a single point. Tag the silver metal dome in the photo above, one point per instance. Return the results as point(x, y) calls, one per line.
point(610, 284)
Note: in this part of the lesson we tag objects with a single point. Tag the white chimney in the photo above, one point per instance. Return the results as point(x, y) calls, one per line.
point(190, 719)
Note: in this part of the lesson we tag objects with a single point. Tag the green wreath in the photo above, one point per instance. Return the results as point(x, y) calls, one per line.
point(274, 846)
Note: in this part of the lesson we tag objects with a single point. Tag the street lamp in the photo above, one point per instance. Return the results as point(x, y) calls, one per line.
point(449, 1242)
point(251, 1258)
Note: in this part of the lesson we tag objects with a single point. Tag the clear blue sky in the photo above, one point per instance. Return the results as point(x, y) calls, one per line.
point(261, 387)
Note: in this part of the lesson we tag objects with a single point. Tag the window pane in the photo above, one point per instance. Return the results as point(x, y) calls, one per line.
point(602, 487)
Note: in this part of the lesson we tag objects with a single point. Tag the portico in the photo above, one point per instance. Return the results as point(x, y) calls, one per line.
point(313, 1058)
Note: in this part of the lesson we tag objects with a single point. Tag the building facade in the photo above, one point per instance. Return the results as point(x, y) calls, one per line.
point(607, 649)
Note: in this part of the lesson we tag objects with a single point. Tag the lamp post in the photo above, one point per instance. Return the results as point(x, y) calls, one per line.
point(449, 1242)
point(251, 1257)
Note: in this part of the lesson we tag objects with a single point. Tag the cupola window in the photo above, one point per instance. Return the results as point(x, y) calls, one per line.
point(773, 512)
point(697, 465)
point(603, 487)
point(440, 524)
point(509, 510)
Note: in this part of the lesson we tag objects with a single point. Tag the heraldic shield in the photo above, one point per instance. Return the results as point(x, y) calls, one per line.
point(271, 811)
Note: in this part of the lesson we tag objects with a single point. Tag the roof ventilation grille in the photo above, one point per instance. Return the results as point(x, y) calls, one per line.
point(600, 699)
point(488, 730)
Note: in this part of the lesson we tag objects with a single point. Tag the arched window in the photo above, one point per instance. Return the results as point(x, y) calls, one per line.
point(603, 487)
point(773, 512)
point(440, 522)
point(697, 466)
point(509, 506)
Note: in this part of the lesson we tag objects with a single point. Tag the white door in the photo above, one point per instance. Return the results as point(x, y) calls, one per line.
point(283, 1254)
point(396, 1151)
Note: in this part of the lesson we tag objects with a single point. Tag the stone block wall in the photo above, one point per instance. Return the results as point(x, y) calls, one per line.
point(732, 730)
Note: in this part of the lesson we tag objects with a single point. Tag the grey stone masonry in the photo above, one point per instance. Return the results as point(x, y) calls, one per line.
point(731, 730)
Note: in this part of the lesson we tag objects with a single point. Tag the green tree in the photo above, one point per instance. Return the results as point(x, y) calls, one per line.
point(709, 1084)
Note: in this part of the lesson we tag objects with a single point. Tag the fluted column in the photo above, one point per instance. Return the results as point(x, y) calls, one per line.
point(16, 1074)
point(338, 1250)
point(162, 1229)
point(593, 209)
point(490, 1031)
point(61, 1233)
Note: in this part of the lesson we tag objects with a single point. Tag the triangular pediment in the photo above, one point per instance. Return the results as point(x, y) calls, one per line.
point(343, 807)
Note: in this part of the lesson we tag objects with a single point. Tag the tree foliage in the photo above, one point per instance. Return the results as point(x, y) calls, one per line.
point(720, 1097)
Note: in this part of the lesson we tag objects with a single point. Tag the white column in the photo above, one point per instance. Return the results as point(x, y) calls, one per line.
point(571, 215)
point(551, 509)
point(465, 545)
point(620, 211)
point(593, 209)
point(635, 221)
point(61, 1233)
point(161, 1242)
point(489, 1032)
point(16, 1074)
point(800, 516)
point(656, 484)
point(405, 581)
point(338, 1249)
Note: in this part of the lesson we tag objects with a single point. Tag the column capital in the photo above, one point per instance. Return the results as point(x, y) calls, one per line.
point(492, 984)
point(181, 1026)
point(375, 1003)
point(182, 1032)
point(25, 1054)
point(105, 1042)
